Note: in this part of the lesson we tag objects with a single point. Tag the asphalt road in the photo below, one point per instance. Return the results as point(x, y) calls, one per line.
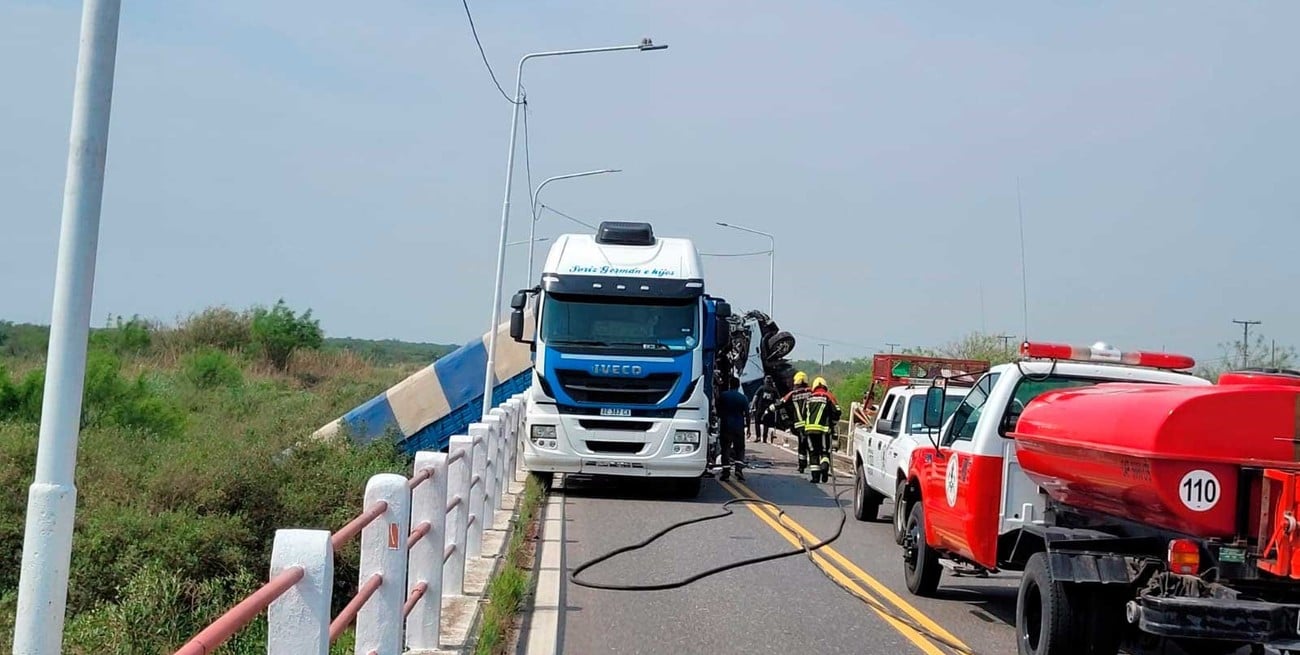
point(781, 606)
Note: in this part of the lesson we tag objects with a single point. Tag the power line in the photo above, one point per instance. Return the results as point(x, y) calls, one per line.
point(473, 30)
point(735, 254)
point(579, 222)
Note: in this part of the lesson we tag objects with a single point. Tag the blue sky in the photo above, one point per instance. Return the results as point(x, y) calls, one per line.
point(350, 158)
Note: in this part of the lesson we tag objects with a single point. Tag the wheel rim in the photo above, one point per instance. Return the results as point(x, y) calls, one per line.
point(860, 491)
point(898, 514)
point(1033, 617)
point(914, 537)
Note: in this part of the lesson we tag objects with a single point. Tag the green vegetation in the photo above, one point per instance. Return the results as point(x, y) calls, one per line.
point(193, 452)
point(387, 352)
point(513, 580)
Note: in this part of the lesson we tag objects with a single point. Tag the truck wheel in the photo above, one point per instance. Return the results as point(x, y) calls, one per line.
point(866, 501)
point(1047, 619)
point(688, 487)
point(900, 511)
point(920, 562)
point(544, 478)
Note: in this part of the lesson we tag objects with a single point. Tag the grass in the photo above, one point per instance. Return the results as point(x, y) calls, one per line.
point(513, 581)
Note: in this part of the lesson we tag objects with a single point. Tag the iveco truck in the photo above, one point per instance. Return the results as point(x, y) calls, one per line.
point(624, 343)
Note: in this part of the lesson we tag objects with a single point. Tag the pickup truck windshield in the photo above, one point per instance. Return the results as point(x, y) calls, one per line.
point(916, 412)
point(613, 322)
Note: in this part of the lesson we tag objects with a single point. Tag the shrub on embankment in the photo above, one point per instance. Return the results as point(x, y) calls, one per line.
point(193, 452)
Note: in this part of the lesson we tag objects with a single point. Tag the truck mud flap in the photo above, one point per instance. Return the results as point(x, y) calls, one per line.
point(1249, 621)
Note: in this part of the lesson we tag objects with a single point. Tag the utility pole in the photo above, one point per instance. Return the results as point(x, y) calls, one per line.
point(892, 346)
point(1245, 340)
point(823, 345)
point(1006, 341)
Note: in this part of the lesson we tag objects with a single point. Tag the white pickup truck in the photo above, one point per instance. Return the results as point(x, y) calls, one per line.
point(882, 451)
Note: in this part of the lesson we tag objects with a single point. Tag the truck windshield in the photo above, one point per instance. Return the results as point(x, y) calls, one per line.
point(613, 322)
point(916, 412)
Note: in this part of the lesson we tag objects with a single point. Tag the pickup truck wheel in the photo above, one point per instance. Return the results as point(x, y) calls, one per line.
point(920, 562)
point(1047, 612)
point(900, 511)
point(866, 501)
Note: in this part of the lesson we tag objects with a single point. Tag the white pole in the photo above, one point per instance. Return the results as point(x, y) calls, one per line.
point(52, 498)
point(425, 558)
point(490, 373)
point(383, 552)
point(771, 271)
point(460, 450)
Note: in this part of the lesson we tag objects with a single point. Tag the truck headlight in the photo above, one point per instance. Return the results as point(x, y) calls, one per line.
point(686, 436)
point(543, 436)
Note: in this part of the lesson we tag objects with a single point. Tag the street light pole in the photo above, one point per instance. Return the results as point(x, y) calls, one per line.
point(523, 241)
point(52, 497)
point(532, 226)
point(490, 373)
point(771, 269)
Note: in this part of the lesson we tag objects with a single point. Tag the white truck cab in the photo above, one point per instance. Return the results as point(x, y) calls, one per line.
point(883, 450)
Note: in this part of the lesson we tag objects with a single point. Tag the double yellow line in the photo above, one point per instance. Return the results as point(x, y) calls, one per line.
point(848, 574)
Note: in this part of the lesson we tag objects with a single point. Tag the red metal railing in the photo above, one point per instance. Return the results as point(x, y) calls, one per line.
point(349, 613)
point(242, 614)
point(356, 525)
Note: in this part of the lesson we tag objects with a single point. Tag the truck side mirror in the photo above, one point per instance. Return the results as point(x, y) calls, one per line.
point(884, 426)
point(722, 309)
point(519, 300)
point(517, 304)
point(933, 415)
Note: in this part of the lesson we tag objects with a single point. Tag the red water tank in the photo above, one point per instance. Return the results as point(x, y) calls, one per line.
point(1167, 456)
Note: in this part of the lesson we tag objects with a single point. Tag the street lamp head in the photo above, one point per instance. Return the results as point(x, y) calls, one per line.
point(647, 44)
point(723, 224)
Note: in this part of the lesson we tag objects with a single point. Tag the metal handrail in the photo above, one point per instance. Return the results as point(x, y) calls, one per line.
point(420, 477)
point(239, 616)
point(354, 527)
point(418, 533)
point(416, 594)
point(349, 613)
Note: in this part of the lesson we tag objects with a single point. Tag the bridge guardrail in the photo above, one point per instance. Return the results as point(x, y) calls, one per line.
point(418, 535)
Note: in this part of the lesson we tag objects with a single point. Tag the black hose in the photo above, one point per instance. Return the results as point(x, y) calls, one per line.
point(805, 548)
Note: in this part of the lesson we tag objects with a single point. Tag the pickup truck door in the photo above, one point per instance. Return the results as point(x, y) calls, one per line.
point(948, 511)
point(878, 441)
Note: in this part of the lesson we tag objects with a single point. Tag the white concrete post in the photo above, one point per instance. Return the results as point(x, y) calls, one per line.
point(383, 551)
point(52, 496)
point(298, 622)
point(479, 433)
point(492, 492)
point(459, 452)
point(428, 503)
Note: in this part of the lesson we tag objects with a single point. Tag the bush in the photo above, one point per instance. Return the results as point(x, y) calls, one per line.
point(215, 327)
point(278, 332)
point(111, 399)
point(209, 368)
point(123, 337)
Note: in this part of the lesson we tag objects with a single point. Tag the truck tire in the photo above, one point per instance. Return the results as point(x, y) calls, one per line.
point(900, 511)
point(544, 478)
point(687, 487)
point(866, 501)
point(1048, 620)
point(921, 563)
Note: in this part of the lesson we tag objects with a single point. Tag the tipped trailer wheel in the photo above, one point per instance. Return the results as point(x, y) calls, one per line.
point(1048, 613)
point(900, 511)
point(921, 566)
point(866, 501)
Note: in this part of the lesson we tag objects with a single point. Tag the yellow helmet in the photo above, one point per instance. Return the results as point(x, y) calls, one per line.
point(819, 382)
point(801, 378)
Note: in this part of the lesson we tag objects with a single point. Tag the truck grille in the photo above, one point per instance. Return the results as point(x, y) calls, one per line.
point(627, 426)
point(615, 447)
point(586, 388)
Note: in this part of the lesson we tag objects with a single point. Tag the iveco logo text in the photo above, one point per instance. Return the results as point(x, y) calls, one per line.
point(615, 369)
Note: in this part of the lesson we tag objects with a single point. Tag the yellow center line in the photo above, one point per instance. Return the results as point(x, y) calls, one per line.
point(907, 608)
point(907, 631)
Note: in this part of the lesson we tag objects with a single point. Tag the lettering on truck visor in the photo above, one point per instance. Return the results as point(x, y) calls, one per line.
point(635, 271)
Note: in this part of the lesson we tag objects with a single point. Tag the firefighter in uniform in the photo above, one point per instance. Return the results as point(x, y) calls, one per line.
point(821, 412)
point(790, 409)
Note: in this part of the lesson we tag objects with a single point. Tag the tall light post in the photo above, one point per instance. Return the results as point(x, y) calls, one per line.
point(771, 269)
point(52, 497)
point(489, 374)
point(532, 226)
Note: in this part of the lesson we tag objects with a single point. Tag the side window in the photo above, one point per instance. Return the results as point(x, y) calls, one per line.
point(966, 418)
point(887, 407)
point(896, 420)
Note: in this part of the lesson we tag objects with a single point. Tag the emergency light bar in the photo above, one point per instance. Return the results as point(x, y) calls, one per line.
point(1100, 352)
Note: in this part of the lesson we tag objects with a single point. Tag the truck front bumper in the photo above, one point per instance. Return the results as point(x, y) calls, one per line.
point(1246, 621)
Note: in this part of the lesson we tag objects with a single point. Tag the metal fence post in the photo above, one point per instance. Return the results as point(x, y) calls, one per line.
point(459, 451)
point(479, 433)
point(298, 623)
point(428, 504)
point(383, 552)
